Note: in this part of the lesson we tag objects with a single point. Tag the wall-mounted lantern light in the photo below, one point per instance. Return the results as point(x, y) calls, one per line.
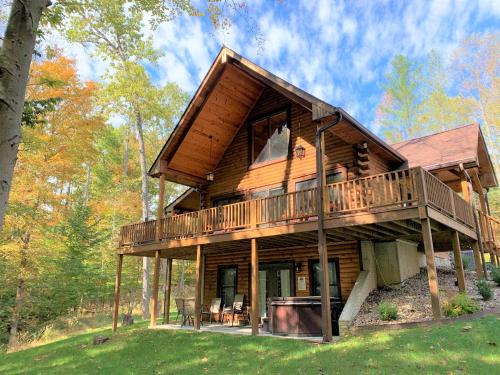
point(300, 151)
point(210, 175)
point(298, 267)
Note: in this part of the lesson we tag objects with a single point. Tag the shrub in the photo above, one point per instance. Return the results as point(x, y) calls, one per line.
point(387, 311)
point(458, 305)
point(466, 263)
point(484, 289)
point(495, 275)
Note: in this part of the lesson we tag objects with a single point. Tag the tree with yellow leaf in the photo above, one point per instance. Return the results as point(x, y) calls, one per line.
point(51, 160)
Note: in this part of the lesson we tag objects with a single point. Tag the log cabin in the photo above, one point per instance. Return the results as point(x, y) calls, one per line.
point(283, 186)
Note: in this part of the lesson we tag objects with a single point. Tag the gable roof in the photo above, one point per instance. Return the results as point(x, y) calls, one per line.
point(185, 201)
point(208, 127)
point(464, 145)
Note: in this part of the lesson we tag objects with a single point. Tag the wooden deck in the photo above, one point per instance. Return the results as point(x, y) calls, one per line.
point(379, 207)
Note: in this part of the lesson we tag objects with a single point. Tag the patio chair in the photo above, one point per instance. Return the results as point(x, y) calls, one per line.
point(237, 308)
point(179, 304)
point(188, 312)
point(214, 309)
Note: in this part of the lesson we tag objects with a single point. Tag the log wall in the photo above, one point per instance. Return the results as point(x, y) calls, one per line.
point(347, 254)
point(233, 174)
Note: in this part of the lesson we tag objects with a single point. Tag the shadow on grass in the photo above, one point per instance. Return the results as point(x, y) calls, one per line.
point(136, 349)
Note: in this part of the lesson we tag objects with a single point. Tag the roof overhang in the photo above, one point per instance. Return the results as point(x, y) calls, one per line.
point(447, 150)
point(220, 107)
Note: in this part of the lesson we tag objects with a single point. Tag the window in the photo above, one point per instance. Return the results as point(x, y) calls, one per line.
point(311, 183)
point(267, 193)
point(271, 210)
point(217, 202)
point(333, 274)
point(227, 283)
point(270, 138)
point(307, 199)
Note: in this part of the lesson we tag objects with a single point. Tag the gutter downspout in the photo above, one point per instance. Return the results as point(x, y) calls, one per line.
point(476, 221)
point(326, 323)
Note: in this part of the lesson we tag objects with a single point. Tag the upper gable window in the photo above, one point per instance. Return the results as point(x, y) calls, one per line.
point(270, 138)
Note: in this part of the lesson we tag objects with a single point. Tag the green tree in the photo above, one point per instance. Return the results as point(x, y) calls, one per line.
point(80, 264)
point(16, 51)
point(439, 111)
point(399, 109)
point(115, 29)
point(476, 66)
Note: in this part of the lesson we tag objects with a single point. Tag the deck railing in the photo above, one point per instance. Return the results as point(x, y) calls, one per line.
point(490, 229)
point(387, 191)
point(443, 198)
point(383, 191)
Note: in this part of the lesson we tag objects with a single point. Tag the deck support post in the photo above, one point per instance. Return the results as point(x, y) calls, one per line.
point(156, 283)
point(168, 288)
point(431, 267)
point(478, 259)
point(118, 281)
point(457, 254)
point(197, 291)
point(255, 287)
point(159, 212)
point(326, 317)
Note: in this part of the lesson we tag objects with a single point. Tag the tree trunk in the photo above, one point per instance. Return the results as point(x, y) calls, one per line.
point(15, 59)
point(182, 280)
point(86, 192)
point(146, 292)
point(16, 311)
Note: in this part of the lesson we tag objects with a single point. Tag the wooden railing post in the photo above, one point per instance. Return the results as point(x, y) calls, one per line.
point(159, 213)
point(421, 186)
point(452, 199)
point(253, 213)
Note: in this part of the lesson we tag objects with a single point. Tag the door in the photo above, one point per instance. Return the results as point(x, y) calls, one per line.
point(276, 280)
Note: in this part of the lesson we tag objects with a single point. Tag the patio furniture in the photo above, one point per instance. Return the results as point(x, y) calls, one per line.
point(188, 311)
point(179, 304)
point(237, 308)
point(214, 309)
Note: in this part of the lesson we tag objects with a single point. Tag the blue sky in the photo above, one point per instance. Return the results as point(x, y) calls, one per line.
point(336, 50)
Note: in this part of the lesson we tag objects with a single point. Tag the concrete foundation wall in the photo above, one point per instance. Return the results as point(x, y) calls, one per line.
point(365, 283)
point(396, 261)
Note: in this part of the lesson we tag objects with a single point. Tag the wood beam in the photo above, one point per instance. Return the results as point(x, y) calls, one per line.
point(465, 188)
point(396, 228)
point(159, 212)
point(118, 281)
point(197, 290)
point(477, 259)
point(156, 283)
point(457, 254)
point(168, 290)
point(431, 267)
point(255, 287)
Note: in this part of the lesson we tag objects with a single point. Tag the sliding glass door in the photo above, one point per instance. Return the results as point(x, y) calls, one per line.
point(275, 280)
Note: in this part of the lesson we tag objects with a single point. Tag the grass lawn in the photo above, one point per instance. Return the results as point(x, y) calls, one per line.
point(445, 349)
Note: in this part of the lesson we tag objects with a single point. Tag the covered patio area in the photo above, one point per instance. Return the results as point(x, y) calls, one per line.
point(245, 330)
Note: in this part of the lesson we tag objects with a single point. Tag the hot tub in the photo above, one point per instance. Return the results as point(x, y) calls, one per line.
point(300, 316)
